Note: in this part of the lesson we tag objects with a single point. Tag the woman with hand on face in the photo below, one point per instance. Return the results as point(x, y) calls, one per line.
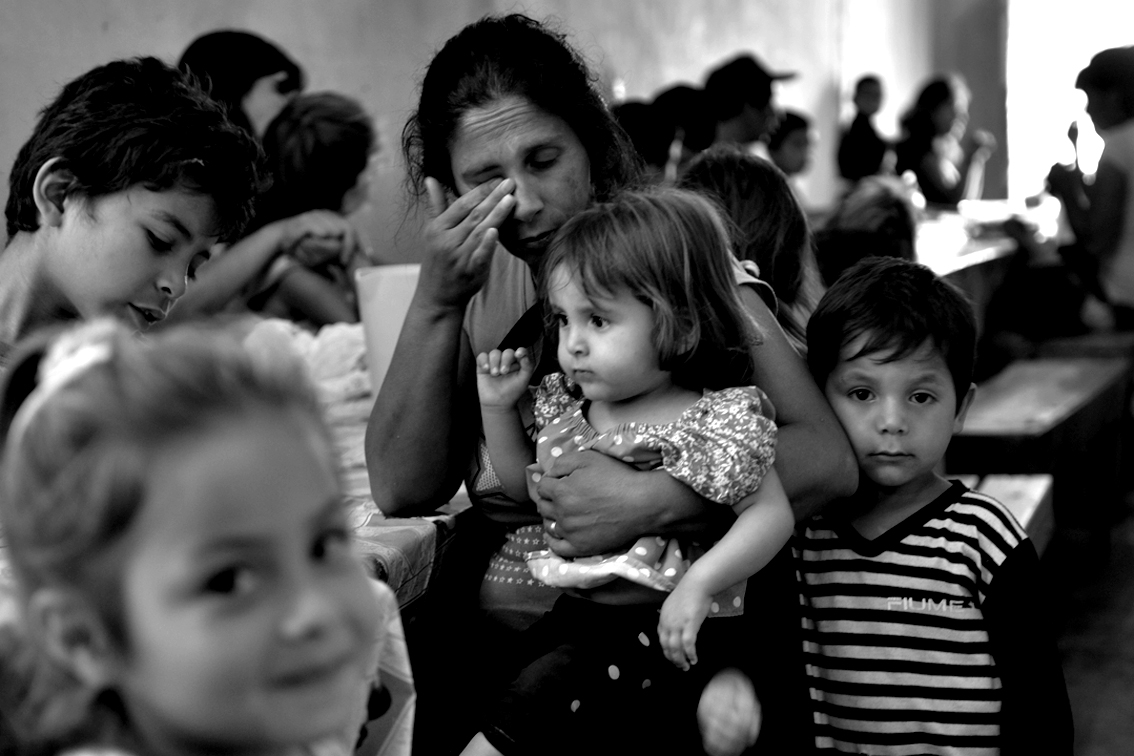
point(510, 139)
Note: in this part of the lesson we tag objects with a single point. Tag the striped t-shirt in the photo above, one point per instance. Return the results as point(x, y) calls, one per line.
point(895, 640)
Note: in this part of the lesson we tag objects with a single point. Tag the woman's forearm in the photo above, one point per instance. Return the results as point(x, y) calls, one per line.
point(419, 437)
point(813, 457)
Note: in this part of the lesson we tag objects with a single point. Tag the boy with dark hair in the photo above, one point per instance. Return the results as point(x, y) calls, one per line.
point(922, 610)
point(130, 176)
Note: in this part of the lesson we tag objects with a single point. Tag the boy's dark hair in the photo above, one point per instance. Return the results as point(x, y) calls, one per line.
point(138, 122)
point(898, 304)
point(316, 148)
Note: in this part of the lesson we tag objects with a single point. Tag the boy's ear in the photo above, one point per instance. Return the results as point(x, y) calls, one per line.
point(963, 407)
point(48, 191)
point(72, 635)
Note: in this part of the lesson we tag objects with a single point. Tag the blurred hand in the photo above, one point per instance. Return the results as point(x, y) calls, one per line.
point(460, 238)
point(317, 237)
point(729, 714)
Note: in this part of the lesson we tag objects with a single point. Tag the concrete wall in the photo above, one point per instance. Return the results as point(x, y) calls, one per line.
point(376, 50)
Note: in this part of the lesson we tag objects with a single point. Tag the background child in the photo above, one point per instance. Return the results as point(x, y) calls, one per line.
point(790, 144)
point(772, 229)
point(181, 548)
point(131, 174)
point(862, 150)
point(923, 615)
point(317, 150)
point(654, 347)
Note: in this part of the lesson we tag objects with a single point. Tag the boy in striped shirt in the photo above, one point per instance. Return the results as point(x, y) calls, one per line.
point(925, 626)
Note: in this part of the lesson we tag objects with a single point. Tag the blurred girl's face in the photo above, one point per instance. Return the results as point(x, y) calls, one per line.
point(249, 620)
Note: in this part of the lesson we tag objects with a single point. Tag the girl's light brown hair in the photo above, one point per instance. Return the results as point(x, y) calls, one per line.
point(670, 250)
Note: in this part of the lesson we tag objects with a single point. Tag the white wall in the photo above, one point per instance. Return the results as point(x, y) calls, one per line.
point(375, 51)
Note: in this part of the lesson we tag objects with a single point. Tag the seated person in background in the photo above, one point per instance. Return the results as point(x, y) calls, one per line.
point(791, 143)
point(948, 169)
point(318, 149)
point(1102, 213)
point(686, 110)
point(741, 101)
point(254, 79)
point(877, 218)
point(648, 134)
point(862, 151)
point(183, 553)
point(667, 132)
point(772, 229)
point(918, 578)
point(129, 178)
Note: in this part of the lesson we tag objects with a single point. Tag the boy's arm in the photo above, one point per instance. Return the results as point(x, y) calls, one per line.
point(318, 299)
point(1036, 714)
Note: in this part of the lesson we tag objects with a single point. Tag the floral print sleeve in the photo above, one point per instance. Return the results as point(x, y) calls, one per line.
point(553, 398)
point(723, 445)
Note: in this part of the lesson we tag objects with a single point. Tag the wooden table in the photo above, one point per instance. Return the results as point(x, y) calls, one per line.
point(1061, 416)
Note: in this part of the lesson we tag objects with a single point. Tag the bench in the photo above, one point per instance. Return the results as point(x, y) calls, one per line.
point(1061, 416)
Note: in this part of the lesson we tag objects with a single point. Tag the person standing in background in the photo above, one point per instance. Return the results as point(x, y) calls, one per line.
point(862, 150)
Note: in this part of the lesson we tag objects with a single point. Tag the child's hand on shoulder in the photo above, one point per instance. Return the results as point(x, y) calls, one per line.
point(681, 616)
point(502, 377)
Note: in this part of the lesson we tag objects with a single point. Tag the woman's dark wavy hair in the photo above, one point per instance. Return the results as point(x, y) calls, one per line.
point(316, 148)
point(139, 122)
point(899, 305)
point(512, 56)
point(670, 249)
